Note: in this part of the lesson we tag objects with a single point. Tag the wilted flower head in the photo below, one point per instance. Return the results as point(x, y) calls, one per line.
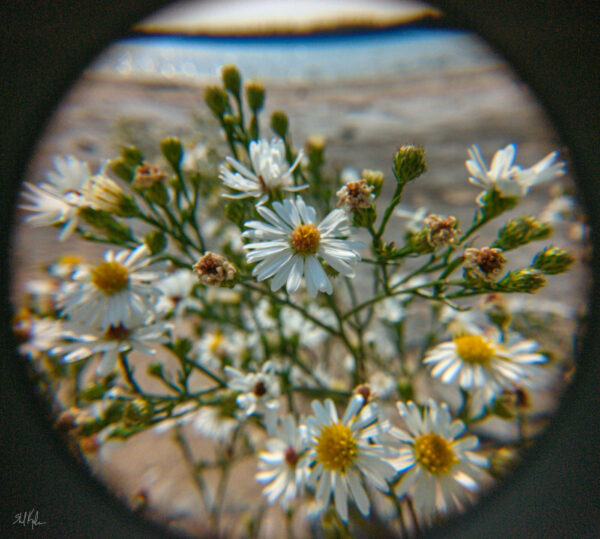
point(147, 175)
point(484, 263)
point(214, 269)
point(355, 195)
point(441, 231)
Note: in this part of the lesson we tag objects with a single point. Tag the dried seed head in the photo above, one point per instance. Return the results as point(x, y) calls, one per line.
point(147, 176)
point(356, 195)
point(441, 231)
point(214, 269)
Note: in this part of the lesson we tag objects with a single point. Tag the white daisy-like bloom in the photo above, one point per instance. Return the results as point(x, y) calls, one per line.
point(216, 423)
point(280, 465)
point(214, 346)
point(113, 292)
point(344, 452)
point(415, 218)
point(308, 333)
point(288, 245)
point(141, 335)
point(508, 179)
point(259, 391)
point(41, 334)
point(193, 156)
point(58, 200)
point(475, 359)
point(439, 469)
point(176, 291)
point(70, 175)
point(271, 170)
point(52, 208)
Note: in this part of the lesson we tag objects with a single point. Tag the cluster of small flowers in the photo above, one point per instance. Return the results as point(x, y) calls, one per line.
point(430, 458)
point(128, 302)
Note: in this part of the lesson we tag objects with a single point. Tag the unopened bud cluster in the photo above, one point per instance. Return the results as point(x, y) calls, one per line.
point(553, 260)
point(521, 231)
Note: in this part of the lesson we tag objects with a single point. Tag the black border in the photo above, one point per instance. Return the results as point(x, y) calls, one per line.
point(552, 44)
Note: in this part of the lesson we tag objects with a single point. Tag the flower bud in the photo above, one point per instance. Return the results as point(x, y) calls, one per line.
point(553, 260)
point(279, 123)
point(216, 99)
point(419, 242)
point(255, 94)
point(364, 216)
point(155, 369)
point(132, 155)
point(409, 163)
point(114, 412)
point(315, 150)
point(231, 78)
point(137, 411)
point(521, 231)
point(157, 194)
point(172, 150)
point(527, 280)
point(374, 178)
point(493, 203)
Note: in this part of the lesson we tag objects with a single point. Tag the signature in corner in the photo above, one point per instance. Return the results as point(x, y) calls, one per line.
point(28, 517)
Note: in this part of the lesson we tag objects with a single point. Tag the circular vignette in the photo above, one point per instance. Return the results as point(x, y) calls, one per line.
point(550, 46)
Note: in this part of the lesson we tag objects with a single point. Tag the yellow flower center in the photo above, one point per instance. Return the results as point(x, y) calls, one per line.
point(305, 239)
point(336, 447)
point(216, 342)
point(474, 349)
point(434, 453)
point(110, 277)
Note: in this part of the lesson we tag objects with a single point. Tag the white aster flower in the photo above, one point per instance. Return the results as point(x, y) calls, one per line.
point(176, 291)
point(58, 201)
point(477, 359)
point(70, 175)
point(281, 466)
point(113, 292)
point(416, 218)
point(216, 422)
point(288, 244)
point(52, 208)
point(341, 452)
point(270, 167)
point(215, 347)
point(41, 334)
point(508, 179)
point(438, 465)
point(259, 391)
point(308, 333)
point(140, 335)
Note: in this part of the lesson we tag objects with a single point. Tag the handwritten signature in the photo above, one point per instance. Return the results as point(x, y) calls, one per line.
point(28, 517)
